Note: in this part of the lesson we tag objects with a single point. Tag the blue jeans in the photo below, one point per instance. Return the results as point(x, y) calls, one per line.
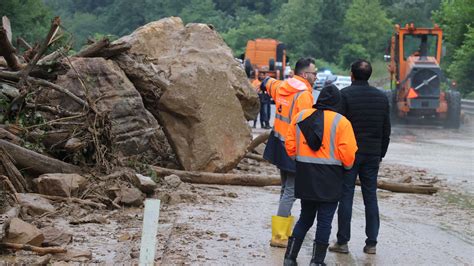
point(287, 193)
point(366, 167)
point(264, 112)
point(309, 209)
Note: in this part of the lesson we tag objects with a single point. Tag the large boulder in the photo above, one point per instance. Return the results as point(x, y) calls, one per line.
point(131, 129)
point(201, 96)
point(58, 184)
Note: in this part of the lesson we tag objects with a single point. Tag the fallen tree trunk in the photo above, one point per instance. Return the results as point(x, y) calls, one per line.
point(219, 178)
point(258, 140)
point(404, 187)
point(35, 162)
point(8, 51)
point(262, 180)
point(39, 250)
point(103, 48)
point(255, 157)
point(12, 173)
point(93, 49)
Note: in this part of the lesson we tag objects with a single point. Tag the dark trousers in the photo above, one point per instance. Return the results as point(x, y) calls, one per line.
point(325, 212)
point(366, 167)
point(264, 115)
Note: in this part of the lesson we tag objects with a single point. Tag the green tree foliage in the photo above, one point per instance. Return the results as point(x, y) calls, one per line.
point(332, 30)
point(296, 22)
point(351, 52)
point(204, 11)
point(462, 68)
point(328, 35)
point(411, 11)
point(367, 24)
point(456, 19)
point(30, 19)
point(253, 27)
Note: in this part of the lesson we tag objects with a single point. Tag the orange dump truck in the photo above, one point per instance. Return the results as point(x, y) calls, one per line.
point(266, 55)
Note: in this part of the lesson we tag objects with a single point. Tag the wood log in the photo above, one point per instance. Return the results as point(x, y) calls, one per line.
point(21, 42)
point(103, 48)
point(405, 188)
point(8, 51)
point(219, 178)
point(52, 57)
point(115, 49)
point(263, 180)
point(258, 140)
point(12, 173)
point(93, 49)
point(16, 76)
point(47, 41)
point(35, 162)
point(255, 157)
point(6, 135)
point(39, 250)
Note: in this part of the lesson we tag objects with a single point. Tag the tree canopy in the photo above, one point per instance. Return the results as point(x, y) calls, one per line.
point(335, 31)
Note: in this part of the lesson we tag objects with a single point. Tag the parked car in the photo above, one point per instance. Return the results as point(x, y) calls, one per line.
point(321, 78)
point(342, 82)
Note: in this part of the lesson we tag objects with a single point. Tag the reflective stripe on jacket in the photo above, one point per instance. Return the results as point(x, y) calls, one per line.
point(319, 174)
point(291, 96)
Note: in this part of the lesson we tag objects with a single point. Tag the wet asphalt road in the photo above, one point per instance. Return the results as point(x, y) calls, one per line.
point(448, 153)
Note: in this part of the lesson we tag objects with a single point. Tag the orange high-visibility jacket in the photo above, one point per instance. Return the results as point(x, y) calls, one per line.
point(319, 174)
point(291, 96)
point(256, 85)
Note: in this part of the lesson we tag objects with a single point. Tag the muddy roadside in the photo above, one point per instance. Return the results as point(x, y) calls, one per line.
point(210, 224)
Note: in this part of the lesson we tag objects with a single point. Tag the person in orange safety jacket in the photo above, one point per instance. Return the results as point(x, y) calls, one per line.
point(291, 96)
point(323, 144)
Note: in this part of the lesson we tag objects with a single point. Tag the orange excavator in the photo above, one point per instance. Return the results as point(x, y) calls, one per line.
point(418, 86)
point(265, 55)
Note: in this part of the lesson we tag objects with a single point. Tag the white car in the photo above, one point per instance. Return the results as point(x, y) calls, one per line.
point(342, 82)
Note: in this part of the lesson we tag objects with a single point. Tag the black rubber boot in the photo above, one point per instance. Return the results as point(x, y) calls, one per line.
point(292, 250)
point(319, 254)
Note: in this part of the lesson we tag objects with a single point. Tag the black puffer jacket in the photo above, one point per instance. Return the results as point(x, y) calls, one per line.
point(368, 111)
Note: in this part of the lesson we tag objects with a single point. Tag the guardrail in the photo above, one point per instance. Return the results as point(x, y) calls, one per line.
point(467, 106)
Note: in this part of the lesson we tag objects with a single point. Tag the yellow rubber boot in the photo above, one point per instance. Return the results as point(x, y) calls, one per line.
point(281, 230)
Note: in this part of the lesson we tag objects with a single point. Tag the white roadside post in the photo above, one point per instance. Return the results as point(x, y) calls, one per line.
point(149, 230)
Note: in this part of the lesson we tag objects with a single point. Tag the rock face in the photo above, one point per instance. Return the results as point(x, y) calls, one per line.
point(132, 129)
point(203, 108)
point(64, 185)
point(21, 232)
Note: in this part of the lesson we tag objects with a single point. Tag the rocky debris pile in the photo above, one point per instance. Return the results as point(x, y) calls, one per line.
point(168, 94)
point(86, 129)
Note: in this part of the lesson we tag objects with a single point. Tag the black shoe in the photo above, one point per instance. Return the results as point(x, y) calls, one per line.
point(292, 250)
point(369, 249)
point(319, 254)
point(339, 248)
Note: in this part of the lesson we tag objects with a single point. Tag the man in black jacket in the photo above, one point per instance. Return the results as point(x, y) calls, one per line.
point(367, 109)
